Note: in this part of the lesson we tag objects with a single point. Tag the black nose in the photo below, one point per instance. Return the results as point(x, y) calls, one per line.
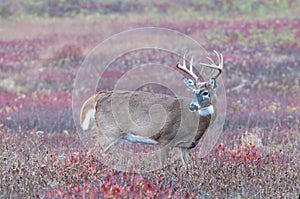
point(193, 108)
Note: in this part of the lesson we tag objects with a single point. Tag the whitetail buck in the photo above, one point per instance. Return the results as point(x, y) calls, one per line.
point(148, 118)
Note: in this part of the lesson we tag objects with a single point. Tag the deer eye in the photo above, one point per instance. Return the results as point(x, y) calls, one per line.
point(205, 93)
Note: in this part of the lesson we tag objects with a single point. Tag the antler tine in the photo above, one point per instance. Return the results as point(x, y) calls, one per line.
point(185, 69)
point(213, 65)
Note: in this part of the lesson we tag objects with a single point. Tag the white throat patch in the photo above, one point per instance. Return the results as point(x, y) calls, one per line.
point(206, 111)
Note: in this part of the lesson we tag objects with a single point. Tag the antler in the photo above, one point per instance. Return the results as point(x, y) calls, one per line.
point(185, 69)
point(213, 65)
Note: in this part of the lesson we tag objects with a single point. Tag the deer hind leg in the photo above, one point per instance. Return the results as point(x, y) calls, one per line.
point(130, 138)
point(139, 139)
point(109, 147)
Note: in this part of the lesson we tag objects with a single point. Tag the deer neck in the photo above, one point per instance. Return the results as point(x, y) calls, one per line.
point(206, 114)
point(206, 111)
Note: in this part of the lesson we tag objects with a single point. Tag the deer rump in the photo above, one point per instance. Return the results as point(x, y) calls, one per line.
point(163, 118)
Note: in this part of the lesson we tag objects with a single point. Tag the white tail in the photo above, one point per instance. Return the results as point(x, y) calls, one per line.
point(142, 121)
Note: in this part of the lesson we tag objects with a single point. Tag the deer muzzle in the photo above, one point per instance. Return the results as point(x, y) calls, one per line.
point(193, 108)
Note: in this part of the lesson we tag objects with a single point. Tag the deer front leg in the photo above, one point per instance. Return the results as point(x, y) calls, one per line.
point(164, 153)
point(184, 155)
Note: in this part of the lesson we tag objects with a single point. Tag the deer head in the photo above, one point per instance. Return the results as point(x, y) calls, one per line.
point(204, 92)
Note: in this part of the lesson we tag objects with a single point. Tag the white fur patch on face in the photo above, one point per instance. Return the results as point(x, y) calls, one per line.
point(87, 119)
point(206, 111)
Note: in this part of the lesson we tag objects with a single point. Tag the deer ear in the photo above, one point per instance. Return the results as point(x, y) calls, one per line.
point(213, 83)
point(189, 83)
